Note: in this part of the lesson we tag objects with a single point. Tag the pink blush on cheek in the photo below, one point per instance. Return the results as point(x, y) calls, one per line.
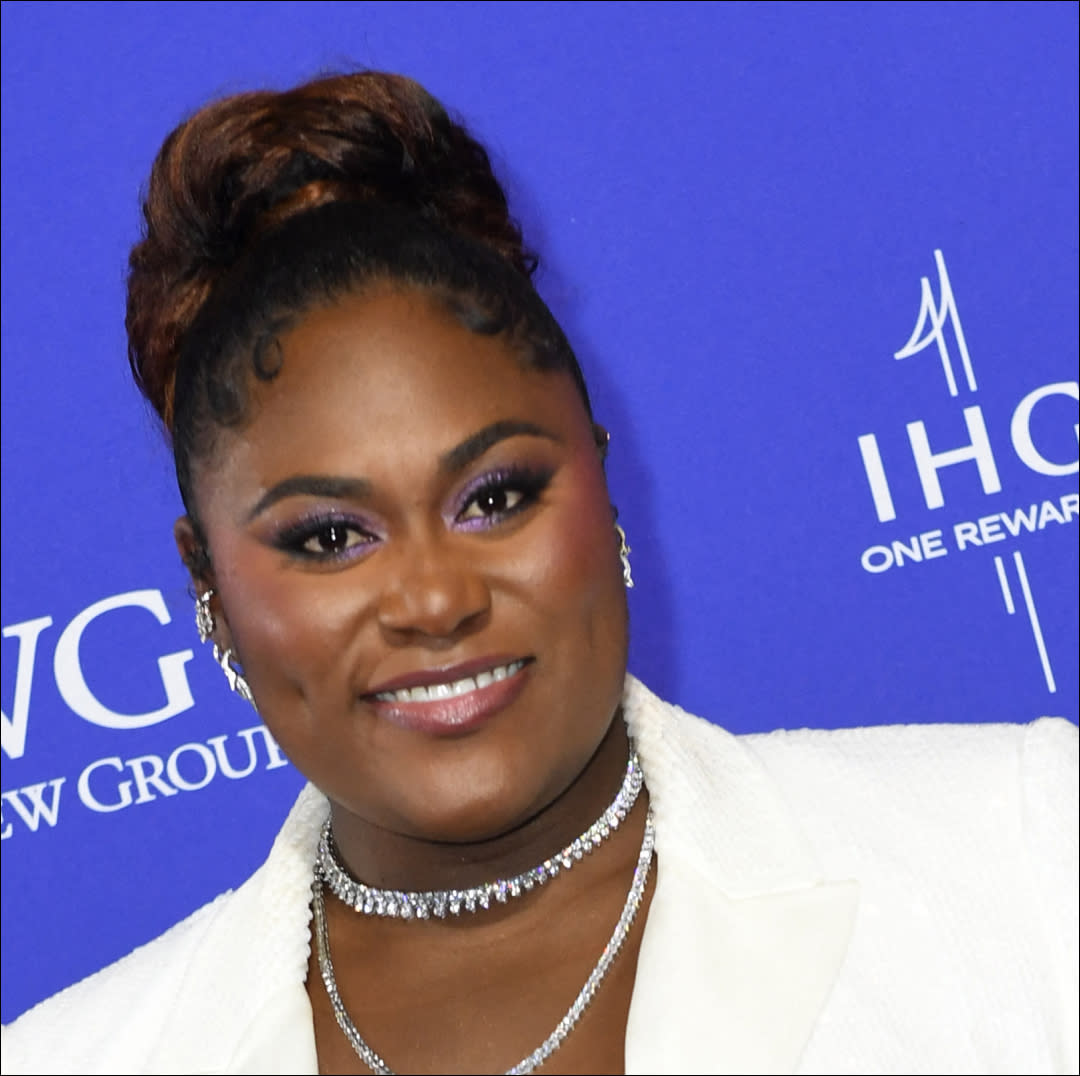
point(577, 554)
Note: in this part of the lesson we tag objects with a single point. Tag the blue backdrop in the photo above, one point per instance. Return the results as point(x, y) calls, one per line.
point(820, 263)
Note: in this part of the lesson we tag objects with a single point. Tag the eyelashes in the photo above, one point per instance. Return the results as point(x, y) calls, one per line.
point(499, 495)
point(488, 501)
point(326, 537)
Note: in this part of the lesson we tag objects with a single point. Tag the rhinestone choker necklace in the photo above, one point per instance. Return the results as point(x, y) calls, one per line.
point(439, 903)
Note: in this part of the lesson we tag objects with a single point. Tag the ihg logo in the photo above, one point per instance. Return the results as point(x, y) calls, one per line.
point(973, 446)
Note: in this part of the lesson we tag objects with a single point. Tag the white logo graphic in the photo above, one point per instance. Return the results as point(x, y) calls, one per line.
point(930, 328)
point(1033, 616)
point(114, 783)
point(71, 681)
point(934, 320)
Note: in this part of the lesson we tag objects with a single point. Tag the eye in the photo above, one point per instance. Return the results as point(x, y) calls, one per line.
point(493, 501)
point(325, 539)
point(498, 496)
point(332, 539)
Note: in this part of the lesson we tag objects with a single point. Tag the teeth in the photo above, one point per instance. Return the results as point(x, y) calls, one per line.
point(453, 689)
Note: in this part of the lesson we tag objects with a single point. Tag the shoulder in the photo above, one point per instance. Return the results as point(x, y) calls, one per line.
point(82, 1021)
point(940, 775)
point(942, 792)
point(960, 841)
point(983, 815)
point(925, 745)
point(994, 763)
point(179, 1002)
point(1037, 760)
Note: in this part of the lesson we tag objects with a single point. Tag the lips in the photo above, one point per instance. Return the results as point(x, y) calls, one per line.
point(450, 701)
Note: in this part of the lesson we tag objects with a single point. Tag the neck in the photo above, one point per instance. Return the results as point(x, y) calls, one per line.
point(381, 857)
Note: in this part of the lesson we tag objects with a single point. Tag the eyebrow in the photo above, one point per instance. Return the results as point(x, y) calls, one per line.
point(313, 485)
point(451, 462)
point(472, 448)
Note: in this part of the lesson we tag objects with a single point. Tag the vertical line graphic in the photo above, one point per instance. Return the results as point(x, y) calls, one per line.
point(1006, 593)
point(1033, 616)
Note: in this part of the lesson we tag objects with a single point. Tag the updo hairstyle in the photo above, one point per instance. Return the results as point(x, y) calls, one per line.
point(265, 204)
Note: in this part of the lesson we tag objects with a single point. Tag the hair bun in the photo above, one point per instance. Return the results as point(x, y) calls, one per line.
point(241, 166)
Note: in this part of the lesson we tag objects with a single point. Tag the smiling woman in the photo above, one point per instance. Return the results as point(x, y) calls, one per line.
point(411, 506)
point(510, 854)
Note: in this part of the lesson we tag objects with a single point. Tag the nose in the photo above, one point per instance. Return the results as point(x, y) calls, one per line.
point(433, 590)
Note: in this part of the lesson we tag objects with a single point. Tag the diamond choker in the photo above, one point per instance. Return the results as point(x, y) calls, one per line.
point(439, 903)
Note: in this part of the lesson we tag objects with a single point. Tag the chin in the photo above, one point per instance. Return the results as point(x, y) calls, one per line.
point(469, 820)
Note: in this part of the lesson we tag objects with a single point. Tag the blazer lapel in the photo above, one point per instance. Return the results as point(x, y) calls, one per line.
point(744, 938)
point(733, 986)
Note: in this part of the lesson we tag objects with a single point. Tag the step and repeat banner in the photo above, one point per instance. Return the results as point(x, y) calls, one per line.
point(819, 262)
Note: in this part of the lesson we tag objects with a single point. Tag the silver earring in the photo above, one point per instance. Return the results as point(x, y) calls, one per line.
point(233, 675)
point(205, 625)
point(204, 619)
point(624, 557)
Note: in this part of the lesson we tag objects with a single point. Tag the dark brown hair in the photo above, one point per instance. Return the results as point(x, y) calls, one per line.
point(264, 203)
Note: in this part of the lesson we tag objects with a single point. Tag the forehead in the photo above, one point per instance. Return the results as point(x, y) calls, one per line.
point(386, 338)
point(391, 374)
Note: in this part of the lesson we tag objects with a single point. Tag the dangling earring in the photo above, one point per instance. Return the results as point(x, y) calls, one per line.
point(624, 557)
point(204, 624)
point(204, 619)
point(232, 674)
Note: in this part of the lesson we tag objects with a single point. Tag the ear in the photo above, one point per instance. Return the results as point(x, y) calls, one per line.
point(194, 554)
point(601, 437)
point(196, 558)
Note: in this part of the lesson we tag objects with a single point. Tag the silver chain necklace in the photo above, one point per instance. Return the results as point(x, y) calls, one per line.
point(439, 903)
point(565, 1025)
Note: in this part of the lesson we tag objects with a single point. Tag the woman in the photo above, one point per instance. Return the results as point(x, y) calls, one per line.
point(510, 854)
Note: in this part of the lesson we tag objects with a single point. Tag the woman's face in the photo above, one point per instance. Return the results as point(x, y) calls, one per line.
point(415, 556)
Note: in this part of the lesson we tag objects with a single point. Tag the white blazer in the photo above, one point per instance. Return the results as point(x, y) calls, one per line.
point(894, 900)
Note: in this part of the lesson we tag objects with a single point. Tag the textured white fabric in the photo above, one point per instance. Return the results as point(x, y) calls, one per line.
point(893, 900)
